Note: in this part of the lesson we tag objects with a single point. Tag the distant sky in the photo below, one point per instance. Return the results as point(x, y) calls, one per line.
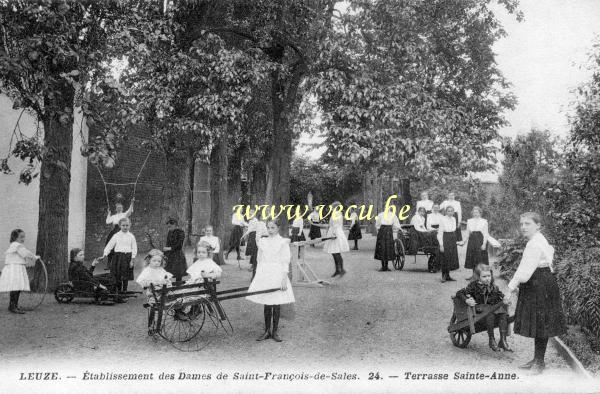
point(544, 57)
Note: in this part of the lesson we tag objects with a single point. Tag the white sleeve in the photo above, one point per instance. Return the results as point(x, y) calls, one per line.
point(459, 213)
point(527, 266)
point(110, 245)
point(25, 253)
point(133, 247)
point(129, 210)
point(396, 223)
point(108, 219)
point(440, 233)
point(485, 231)
point(377, 222)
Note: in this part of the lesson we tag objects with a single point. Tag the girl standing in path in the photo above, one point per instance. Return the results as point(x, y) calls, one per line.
point(271, 273)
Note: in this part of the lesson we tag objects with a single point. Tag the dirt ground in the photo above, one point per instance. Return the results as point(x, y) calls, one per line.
point(389, 323)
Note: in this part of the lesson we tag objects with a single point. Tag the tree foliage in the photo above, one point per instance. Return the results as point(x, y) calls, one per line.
point(413, 86)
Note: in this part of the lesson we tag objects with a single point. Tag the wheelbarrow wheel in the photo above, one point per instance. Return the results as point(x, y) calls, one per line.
point(64, 293)
point(460, 338)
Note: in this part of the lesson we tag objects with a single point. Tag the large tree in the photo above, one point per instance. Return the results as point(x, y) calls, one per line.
point(411, 88)
point(50, 50)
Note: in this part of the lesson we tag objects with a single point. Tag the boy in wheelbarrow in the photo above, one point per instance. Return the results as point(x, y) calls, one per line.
point(483, 294)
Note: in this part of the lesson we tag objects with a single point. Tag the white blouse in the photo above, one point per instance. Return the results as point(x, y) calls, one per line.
point(353, 218)
point(122, 243)
point(434, 219)
point(116, 218)
point(447, 225)
point(427, 204)
point(213, 241)
point(236, 220)
point(17, 253)
point(418, 222)
point(477, 224)
point(388, 219)
point(537, 254)
point(454, 204)
point(314, 217)
point(299, 222)
point(205, 268)
point(157, 276)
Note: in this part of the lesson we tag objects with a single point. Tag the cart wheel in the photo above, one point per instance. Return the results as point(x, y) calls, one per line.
point(400, 255)
point(459, 338)
point(181, 325)
point(64, 293)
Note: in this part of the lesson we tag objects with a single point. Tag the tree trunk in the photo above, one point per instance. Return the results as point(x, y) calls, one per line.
point(218, 189)
point(178, 191)
point(190, 192)
point(283, 99)
point(55, 179)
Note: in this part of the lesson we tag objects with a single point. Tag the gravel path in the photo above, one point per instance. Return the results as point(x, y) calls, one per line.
point(388, 323)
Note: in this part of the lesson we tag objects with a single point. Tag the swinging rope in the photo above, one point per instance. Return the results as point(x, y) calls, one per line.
point(121, 184)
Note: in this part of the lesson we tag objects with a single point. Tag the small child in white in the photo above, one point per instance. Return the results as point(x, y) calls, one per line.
point(204, 266)
point(154, 273)
point(214, 242)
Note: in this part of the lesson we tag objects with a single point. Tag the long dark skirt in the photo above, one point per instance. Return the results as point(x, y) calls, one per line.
point(450, 255)
point(236, 236)
point(355, 232)
point(176, 263)
point(251, 246)
point(297, 234)
point(539, 311)
point(315, 232)
point(120, 267)
point(110, 256)
point(384, 246)
point(458, 228)
point(474, 253)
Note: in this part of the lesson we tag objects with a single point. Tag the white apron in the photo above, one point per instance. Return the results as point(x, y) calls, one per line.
point(273, 264)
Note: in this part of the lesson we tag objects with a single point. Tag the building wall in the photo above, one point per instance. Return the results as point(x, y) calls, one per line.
point(149, 214)
point(20, 202)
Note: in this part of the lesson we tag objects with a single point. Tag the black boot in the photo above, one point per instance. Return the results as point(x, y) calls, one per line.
point(341, 267)
point(14, 295)
point(540, 352)
point(503, 344)
point(492, 342)
point(276, 314)
point(268, 310)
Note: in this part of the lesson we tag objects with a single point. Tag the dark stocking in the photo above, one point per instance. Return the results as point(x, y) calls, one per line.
point(276, 313)
point(268, 315)
point(540, 349)
point(356, 244)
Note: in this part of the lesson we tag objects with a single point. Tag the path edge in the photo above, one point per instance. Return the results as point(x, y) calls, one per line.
point(570, 357)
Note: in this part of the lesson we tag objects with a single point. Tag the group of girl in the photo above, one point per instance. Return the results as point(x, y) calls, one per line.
point(271, 271)
point(438, 228)
point(538, 313)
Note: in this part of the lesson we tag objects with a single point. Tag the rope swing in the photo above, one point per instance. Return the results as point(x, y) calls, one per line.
point(121, 184)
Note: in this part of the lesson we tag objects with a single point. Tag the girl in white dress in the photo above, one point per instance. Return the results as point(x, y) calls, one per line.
point(339, 245)
point(271, 273)
point(14, 277)
point(204, 266)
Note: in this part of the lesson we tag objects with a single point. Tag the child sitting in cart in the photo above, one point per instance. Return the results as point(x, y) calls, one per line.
point(483, 294)
point(204, 266)
point(80, 273)
point(154, 274)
